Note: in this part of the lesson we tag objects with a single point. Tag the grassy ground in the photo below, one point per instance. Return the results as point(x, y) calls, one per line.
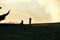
point(49, 31)
point(46, 31)
point(15, 32)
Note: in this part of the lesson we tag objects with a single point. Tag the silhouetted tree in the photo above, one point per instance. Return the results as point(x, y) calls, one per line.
point(30, 19)
point(2, 17)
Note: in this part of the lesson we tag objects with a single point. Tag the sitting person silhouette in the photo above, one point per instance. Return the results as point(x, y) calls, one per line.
point(21, 22)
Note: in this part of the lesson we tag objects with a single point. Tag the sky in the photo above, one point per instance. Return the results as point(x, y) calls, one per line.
point(41, 11)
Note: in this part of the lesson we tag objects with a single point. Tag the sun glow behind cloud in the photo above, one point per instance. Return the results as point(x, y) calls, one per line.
point(52, 7)
point(40, 10)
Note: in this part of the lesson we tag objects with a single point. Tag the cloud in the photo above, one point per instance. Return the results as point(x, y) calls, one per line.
point(39, 10)
point(15, 1)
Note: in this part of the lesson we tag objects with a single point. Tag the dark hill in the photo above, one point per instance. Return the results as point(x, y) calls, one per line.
point(46, 31)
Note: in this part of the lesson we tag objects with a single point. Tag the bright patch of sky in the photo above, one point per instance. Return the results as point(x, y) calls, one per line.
point(39, 10)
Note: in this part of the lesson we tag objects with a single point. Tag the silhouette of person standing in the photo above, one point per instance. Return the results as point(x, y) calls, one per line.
point(30, 19)
point(0, 7)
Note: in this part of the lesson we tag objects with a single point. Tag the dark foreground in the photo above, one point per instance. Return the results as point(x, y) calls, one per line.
point(30, 32)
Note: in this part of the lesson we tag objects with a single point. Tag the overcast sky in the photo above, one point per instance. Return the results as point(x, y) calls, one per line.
point(41, 11)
